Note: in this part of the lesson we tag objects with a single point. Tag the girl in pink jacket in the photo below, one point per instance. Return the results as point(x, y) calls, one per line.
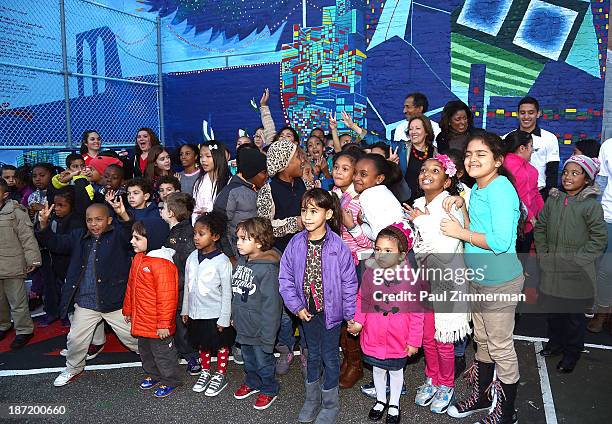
point(389, 316)
point(519, 147)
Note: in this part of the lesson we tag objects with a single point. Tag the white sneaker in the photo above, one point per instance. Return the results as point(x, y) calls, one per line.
point(202, 382)
point(65, 377)
point(444, 397)
point(425, 393)
point(64, 352)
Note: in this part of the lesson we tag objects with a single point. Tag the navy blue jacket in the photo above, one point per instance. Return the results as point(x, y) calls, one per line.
point(287, 203)
point(112, 263)
point(151, 211)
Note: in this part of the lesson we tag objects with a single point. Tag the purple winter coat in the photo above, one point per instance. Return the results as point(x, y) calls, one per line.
point(339, 277)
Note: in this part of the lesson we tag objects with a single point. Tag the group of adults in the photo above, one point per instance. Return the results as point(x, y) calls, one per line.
point(134, 166)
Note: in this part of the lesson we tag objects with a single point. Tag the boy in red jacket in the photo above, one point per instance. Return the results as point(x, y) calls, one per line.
point(150, 305)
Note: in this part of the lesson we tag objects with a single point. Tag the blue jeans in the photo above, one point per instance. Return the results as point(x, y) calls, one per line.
point(322, 351)
point(259, 368)
point(286, 332)
point(460, 346)
point(604, 274)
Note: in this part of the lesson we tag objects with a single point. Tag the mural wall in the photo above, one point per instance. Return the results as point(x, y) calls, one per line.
point(364, 56)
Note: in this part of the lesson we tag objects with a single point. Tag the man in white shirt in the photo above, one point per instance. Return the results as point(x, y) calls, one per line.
point(603, 179)
point(603, 300)
point(545, 157)
point(414, 104)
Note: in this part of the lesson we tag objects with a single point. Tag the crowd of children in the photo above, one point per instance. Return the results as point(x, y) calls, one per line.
point(185, 259)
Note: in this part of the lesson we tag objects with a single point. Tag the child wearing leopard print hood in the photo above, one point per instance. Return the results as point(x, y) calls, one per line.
point(280, 202)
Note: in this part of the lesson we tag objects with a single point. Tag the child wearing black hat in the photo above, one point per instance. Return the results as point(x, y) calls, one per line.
point(238, 199)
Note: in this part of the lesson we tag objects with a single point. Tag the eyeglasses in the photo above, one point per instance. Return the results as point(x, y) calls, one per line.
point(572, 173)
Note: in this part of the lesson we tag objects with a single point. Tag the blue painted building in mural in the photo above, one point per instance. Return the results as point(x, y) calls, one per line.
point(323, 69)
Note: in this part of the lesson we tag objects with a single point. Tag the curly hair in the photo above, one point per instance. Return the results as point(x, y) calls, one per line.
point(259, 229)
point(455, 186)
point(214, 221)
point(143, 183)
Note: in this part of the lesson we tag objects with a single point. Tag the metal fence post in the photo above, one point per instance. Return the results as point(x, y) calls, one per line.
point(65, 73)
point(160, 82)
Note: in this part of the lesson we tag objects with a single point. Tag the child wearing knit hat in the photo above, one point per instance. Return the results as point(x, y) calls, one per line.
point(99, 164)
point(237, 201)
point(570, 235)
point(280, 202)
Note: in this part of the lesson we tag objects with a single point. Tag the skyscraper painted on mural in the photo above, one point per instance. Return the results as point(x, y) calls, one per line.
point(322, 70)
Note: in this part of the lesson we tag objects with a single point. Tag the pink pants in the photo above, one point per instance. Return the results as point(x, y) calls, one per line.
point(439, 357)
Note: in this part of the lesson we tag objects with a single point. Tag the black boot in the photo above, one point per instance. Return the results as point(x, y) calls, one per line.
point(459, 365)
point(503, 412)
point(480, 377)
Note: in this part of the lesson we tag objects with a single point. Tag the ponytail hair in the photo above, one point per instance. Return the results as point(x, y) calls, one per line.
point(514, 140)
point(383, 167)
point(324, 200)
point(220, 171)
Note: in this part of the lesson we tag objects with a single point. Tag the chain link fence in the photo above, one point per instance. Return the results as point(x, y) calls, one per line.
point(67, 66)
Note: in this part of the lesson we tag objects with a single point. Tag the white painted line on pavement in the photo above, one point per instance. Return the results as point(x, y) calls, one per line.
point(13, 373)
point(547, 398)
point(544, 339)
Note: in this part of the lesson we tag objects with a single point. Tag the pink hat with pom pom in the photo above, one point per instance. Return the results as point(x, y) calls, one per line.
point(403, 231)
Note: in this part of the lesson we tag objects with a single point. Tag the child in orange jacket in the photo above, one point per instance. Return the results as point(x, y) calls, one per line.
point(150, 305)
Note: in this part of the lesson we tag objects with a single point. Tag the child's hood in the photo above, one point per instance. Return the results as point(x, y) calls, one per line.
point(151, 208)
point(10, 206)
point(271, 256)
point(163, 253)
point(590, 191)
point(157, 232)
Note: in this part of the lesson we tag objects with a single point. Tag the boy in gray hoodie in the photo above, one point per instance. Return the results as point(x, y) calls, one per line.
point(257, 308)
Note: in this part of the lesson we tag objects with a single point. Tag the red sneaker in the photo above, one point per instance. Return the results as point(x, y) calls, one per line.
point(244, 391)
point(264, 401)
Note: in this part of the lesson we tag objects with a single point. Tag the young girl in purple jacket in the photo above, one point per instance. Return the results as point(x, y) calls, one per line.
point(318, 283)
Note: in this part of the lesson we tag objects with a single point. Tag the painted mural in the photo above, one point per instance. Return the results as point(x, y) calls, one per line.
point(364, 56)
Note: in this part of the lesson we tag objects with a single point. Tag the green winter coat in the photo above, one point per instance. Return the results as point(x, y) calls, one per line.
point(570, 235)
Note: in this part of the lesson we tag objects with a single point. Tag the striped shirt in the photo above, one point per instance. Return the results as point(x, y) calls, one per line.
point(350, 199)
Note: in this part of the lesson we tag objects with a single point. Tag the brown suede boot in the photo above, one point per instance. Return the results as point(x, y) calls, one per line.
point(596, 324)
point(343, 346)
point(354, 368)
